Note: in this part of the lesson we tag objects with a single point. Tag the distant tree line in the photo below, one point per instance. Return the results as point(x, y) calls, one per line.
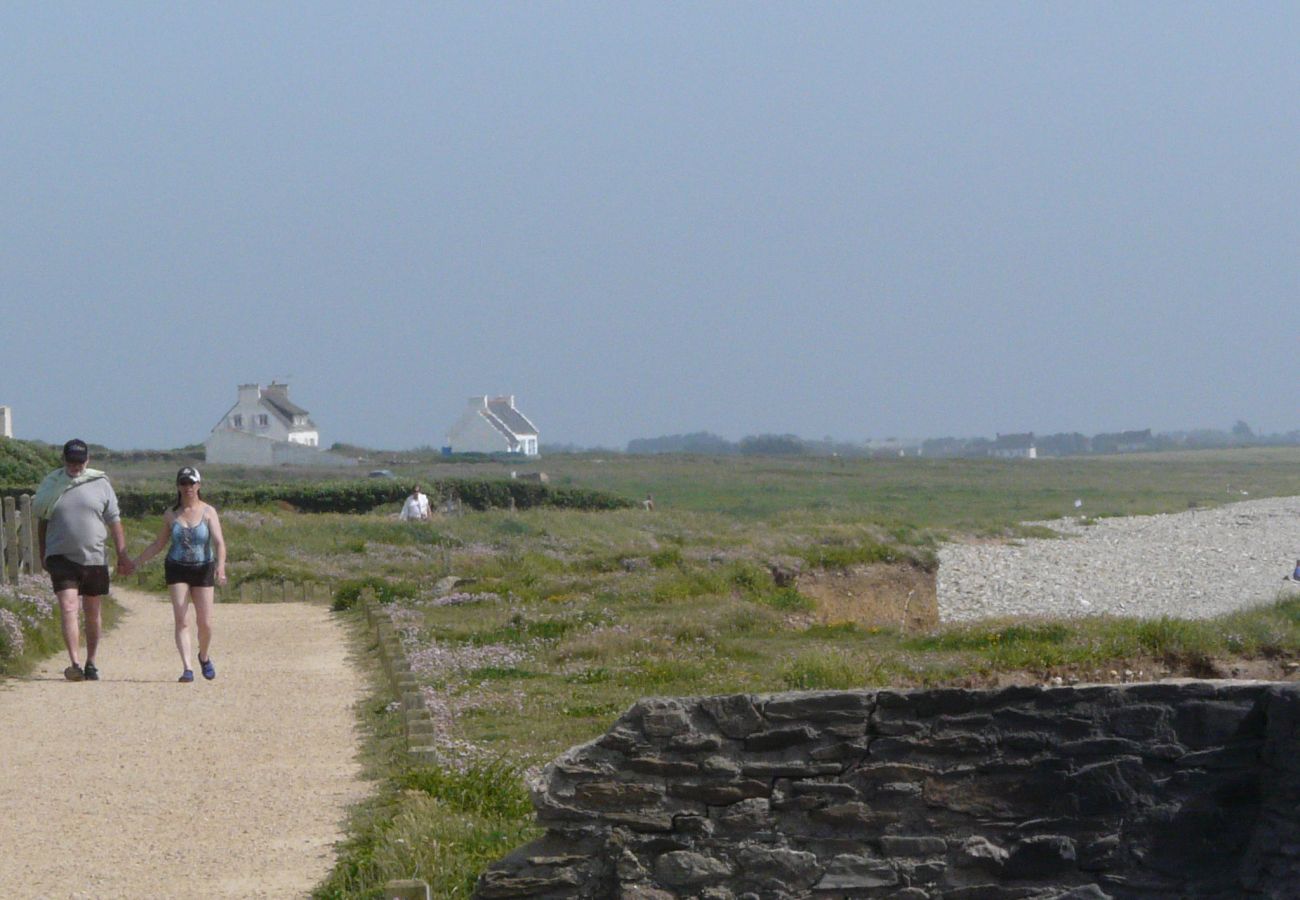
point(1061, 444)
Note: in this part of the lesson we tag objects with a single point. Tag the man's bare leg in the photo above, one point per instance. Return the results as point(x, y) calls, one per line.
point(69, 607)
point(94, 624)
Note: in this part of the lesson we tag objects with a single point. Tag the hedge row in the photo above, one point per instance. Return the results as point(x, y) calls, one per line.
point(363, 496)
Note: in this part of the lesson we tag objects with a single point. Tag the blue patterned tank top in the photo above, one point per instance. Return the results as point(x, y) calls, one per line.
point(191, 546)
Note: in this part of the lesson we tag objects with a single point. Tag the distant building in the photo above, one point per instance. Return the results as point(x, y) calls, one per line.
point(265, 428)
point(493, 425)
point(1014, 446)
point(6, 422)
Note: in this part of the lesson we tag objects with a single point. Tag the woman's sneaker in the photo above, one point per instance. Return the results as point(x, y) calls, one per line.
point(186, 676)
point(74, 672)
point(209, 670)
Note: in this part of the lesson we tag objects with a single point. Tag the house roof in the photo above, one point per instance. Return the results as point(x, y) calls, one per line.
point(1014, 441)
point(510, 417)
point(284, 406)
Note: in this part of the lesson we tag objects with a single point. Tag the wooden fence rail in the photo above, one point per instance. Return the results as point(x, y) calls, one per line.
point(17, 539)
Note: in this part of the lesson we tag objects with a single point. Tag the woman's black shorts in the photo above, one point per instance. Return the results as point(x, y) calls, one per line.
point(202, 575)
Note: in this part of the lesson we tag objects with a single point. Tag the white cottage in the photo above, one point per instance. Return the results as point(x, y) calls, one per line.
point(265, 428)
point(6, 422)
point(493, 425)
point(267, 412)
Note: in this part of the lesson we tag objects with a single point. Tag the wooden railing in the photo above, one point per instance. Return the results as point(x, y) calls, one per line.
point(17, 539)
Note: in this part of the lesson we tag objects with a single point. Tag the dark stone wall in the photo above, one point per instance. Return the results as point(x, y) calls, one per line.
point(1181, 789)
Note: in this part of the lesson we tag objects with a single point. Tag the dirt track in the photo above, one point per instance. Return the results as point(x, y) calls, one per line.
point(137, 786)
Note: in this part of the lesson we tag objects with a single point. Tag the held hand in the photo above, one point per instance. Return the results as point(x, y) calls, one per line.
point(125, 566)
point(221, 575)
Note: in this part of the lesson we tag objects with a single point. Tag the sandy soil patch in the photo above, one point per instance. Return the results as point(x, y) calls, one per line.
point(137, 786)
point(880, 595)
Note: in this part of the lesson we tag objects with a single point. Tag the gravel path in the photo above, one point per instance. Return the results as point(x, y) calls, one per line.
point(1196, 564)
point(137, 786)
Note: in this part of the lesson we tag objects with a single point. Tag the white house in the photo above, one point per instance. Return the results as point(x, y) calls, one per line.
point(265, 428)
point(267, 412)
point(6, 422)
point(1015, 446)
point(493, 425)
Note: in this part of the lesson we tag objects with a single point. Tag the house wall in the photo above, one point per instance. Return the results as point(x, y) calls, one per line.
point(1184, 789)
point(6, 422)
point(474, 434)
point(245, 416)
point(230, 447)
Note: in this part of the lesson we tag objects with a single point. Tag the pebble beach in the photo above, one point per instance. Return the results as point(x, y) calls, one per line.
point(1195, 564)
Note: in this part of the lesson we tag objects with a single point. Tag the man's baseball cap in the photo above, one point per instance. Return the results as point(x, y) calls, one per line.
point(76, 451)
point(188, 475)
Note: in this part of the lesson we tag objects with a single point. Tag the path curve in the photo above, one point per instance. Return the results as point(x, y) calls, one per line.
point(137, 786)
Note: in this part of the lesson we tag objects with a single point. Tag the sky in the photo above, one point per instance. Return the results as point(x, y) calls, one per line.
point(855, 220)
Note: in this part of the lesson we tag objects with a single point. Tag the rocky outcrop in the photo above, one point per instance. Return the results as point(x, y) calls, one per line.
point(1187, 789)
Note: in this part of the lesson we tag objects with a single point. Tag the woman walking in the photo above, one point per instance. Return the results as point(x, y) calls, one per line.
point(196, 560)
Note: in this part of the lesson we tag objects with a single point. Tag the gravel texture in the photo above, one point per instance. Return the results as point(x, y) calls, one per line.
point(1195, 564)
point(137, 786)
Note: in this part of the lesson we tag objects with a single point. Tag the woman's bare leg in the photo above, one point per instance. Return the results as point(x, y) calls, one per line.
point(203, 599)
point(180, 613)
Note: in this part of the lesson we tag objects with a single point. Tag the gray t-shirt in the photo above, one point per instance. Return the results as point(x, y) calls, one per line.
point(77, 525)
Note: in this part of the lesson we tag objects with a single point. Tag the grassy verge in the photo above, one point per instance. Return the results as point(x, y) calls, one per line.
point(434, 823)
point(29, 624)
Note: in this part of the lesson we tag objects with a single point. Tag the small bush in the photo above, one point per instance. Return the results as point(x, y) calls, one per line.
point(349, 592)
point(495, 789)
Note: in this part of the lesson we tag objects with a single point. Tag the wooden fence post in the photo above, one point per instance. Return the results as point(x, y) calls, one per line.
point(11, 540)
point(27, 540)
point(4, 548)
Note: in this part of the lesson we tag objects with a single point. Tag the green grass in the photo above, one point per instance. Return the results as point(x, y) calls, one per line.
point(599, 609)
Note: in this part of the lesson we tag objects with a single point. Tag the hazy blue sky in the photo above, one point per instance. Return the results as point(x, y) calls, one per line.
point(847, 219)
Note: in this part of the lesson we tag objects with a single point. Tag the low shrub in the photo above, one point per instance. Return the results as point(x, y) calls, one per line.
point(349, 592)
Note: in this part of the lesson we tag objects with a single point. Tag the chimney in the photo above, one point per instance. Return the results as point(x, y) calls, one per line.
point(249, 393)
point(275, 389)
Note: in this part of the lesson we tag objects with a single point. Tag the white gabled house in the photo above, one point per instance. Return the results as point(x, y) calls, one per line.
point(1014, 446)
point(493, 425)
point(265, 428)
point(267, 412)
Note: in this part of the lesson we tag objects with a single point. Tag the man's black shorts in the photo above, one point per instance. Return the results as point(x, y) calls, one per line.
point(202, 575)
point(90, 581)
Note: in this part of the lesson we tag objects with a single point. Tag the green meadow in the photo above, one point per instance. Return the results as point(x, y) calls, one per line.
point(534, 629)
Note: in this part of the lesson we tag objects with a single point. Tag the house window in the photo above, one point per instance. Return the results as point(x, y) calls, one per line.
point(262, 420)
point(237, 421)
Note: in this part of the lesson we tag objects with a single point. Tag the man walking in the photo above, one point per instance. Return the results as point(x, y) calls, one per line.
point(416, 507)
point(77, 508)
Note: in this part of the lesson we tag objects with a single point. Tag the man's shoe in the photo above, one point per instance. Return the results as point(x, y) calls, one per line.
point(91, 672)
point(74, 672)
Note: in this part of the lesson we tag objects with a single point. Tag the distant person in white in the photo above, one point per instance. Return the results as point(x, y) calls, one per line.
point(416, 507)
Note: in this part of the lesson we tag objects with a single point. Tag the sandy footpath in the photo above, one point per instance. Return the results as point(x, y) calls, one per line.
point(137, 786)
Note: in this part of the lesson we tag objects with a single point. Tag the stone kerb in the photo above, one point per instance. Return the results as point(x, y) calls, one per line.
point(418, 722)
point(1170, 789)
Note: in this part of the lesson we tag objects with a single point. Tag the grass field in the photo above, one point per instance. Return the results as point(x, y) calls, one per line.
point(561, 619)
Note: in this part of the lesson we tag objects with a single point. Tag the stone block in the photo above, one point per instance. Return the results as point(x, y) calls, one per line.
point(754, 814)
point(849, 872)
point(1209, 723)
point(658, 765)
point(686, 868)
point(737, 716)
point(720, 793)
point(662, 719)
point(791, 868)
point(607, 795)
point(818, 706)
point(915, 846)
point(791, 769)
point(1041, 856)
point(781, 738)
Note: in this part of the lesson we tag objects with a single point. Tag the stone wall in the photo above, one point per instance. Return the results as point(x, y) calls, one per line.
point(1178, 789)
